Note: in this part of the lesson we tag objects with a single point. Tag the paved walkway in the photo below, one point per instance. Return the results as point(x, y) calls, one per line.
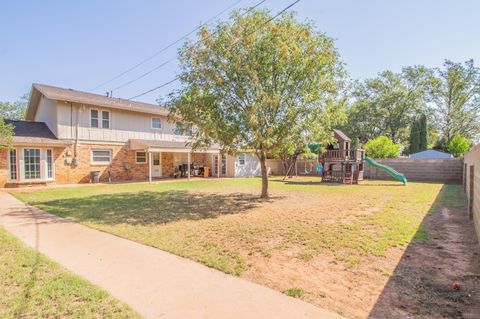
point(153, 282)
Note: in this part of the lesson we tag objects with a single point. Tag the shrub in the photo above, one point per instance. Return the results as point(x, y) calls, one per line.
point(382, 147)
point(458, 146)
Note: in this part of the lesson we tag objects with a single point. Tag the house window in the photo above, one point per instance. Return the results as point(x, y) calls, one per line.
point(13, 164)
point(241, 159)
point(94, 118)
point(49, 161)
point(156, 159)
point(184, 129)
point(31, 158)
point(156, 123)
point(141, 157)
point(105, 119)
point(101, 156)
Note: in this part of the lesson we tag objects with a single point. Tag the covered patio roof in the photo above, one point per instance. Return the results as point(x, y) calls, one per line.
point(169, 146)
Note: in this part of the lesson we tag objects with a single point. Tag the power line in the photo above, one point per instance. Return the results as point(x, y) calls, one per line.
point(165, 48)
point(144, 74)
point(173, 59)
point(178, 77)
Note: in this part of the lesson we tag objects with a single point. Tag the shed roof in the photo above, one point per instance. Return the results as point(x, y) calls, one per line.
point(70, 95)
point(431, 154)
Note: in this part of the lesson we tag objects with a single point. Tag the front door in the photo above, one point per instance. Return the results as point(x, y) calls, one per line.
point(156, 165)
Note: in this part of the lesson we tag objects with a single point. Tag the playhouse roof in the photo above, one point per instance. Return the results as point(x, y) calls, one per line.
point(342, 135)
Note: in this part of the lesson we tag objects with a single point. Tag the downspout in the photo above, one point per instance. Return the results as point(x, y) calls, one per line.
point(76, 130)
point(71, 133)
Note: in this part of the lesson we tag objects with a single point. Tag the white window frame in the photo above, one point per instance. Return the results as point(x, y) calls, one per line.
point(244, 159)
point(98, 118)
point(151, 122)
point(136, 157)
point(92, 162)
point(109, 119)
point(46, 164)
point(9, 163)
point(224, 156)
point(40, 166)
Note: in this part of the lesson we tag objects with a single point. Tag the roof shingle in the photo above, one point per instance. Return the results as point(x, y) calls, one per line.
point(27, 132)
point(70, 95)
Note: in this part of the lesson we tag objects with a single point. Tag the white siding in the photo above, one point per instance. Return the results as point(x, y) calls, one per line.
point(124, 125)
point(47, 113)
point(251, 167)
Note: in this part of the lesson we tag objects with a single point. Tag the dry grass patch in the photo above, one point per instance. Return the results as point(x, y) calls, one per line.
point(327, 241)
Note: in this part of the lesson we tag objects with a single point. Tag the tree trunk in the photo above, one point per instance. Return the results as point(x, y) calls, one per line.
point(263, 167)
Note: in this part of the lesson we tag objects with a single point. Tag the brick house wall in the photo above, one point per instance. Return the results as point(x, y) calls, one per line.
point(115, 171)
point(167, 165)
point(80, 173)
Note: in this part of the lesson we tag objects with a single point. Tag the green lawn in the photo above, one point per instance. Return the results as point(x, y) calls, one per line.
point(305, 226)
point(32, 286)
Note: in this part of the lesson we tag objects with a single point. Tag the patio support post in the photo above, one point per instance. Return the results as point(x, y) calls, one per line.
point(219, 159)
point(188, 169)
point(149, 167)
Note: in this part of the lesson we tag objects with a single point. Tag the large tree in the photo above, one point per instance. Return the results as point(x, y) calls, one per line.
point(387, 104)
point(456, 100)
point(255, 83)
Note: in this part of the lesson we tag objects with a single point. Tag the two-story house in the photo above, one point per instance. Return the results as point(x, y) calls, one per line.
point(69, 134)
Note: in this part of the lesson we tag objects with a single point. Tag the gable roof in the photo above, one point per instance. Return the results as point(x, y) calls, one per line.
point(431, 153)
point(70, 95)
point(26, 132)
point(342, 135)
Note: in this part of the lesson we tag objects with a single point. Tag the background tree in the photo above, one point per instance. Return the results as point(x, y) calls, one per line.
point(456, 100)
point(387, 104)
point(414, 137)
point(382, 147)
point(423, 129)
point(14, 110)
point(6, 135)
point(459, 146)
point(419, 134)
point(253, 84)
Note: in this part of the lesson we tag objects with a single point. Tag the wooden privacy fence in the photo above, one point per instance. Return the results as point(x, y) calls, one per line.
point(471, 185)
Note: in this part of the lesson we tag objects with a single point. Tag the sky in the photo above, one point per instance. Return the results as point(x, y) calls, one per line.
point(81, 44)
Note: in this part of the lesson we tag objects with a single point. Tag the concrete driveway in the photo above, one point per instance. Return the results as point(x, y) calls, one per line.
point(155, 283)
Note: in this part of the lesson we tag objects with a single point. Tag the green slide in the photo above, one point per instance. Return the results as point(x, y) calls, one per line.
point(387, 169)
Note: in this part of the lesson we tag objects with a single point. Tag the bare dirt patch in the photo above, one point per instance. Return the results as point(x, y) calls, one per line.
point(422, 283)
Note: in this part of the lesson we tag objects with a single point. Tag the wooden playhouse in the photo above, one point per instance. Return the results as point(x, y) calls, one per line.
point(341, 164)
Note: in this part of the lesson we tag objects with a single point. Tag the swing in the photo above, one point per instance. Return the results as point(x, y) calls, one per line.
point(306, 172)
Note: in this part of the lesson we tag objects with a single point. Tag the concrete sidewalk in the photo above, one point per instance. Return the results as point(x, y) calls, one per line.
point(153, 282)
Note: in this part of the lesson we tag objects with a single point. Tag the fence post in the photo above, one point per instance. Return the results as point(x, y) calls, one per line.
point(472, 192)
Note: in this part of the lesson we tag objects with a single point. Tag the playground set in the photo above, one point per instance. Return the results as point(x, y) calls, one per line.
point(341, 164)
